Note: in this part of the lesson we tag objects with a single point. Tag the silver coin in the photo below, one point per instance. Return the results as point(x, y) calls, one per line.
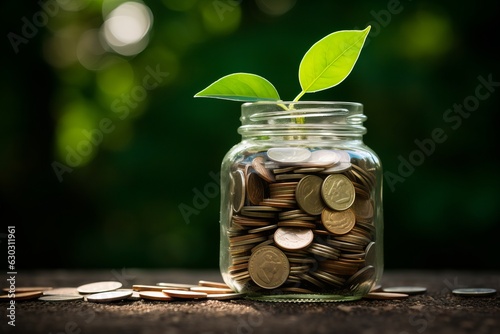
point(60, 298)
point(292, 238)
point(99, 287)
point(478, 292)
point(110, 296)
point(343, 156)
point(61, 291)
point(408, 290)
point(322, 158)
point(135, 294)
point(338, 168)
point(286, 155)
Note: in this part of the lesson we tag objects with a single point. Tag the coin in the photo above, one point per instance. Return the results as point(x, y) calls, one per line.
point(155, 295)
point(338, 192)
point(308, 195)
point(474, 292)
point(338, 222)
point(238, 190)
point(363, 209)
point(364, 277)
point(60, 298)
point(258, 165)
point(185, 294)
point(385, 295)
point(211, 290)
point(110, 296)
point(22, 295)
point(409, 290)
point(370, 253)
point(268, 267)
point(99, 287)
point(176, 286)
point(28, 289)
point(61, 291)
point(322, 158)
point(256, 188)
point(287, 155)
point(141, 287)
point(213, 284)
point(133, 296)
point(292, 238)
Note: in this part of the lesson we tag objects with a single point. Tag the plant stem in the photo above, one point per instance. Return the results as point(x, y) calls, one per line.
point(299, 96)
point(299, 120)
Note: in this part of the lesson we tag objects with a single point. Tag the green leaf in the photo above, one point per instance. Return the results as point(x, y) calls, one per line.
point(243, 87)
point(330, 60)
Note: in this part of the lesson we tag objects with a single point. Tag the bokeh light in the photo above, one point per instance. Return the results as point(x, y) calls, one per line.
point(126, 28)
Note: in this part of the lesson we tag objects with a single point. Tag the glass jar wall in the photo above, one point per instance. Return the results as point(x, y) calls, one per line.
point(301, 204)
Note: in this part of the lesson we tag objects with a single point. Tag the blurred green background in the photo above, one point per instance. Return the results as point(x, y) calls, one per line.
point(102, 139)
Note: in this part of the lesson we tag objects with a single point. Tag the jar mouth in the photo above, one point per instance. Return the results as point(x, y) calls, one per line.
point(334, 117)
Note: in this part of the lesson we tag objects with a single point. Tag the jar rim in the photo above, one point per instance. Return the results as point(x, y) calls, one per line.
point(264, 102)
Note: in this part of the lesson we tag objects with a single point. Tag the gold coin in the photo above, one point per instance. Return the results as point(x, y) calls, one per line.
point(258, 165)
point(28, 289)
point(185, 294)
point(22, 295)
point(154, 295)
point(338, 222)
point(213, 284)
point(211, 290)
point(268, 267)
point(338, 192)
point(308, 195)
point(385, 295)
point(291, 238)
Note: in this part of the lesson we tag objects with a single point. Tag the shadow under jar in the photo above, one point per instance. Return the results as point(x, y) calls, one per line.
point(301, 204)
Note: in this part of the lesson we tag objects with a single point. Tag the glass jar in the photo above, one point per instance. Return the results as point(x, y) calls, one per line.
point(301, 204)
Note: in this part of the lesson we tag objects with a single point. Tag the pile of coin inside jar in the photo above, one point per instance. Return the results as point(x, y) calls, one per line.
point(302, 222)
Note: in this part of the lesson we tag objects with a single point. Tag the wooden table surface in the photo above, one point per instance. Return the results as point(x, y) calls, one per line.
point(437, 311)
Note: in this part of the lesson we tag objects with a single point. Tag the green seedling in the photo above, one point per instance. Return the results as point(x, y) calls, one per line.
point(326, 64)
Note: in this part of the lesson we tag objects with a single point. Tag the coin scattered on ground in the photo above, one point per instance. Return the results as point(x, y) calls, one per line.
point(99, 287)
point(176, 286)
point(61, 291)
point(211, 290)
point(155, 295)
point(185, 294)
point(409, 290)
point(385, 295)
point(213, 284)
point(20, 289)
point(60, 298)
point(474, 292)
point(140, 287)
point(22, 295)
point(110, 296)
